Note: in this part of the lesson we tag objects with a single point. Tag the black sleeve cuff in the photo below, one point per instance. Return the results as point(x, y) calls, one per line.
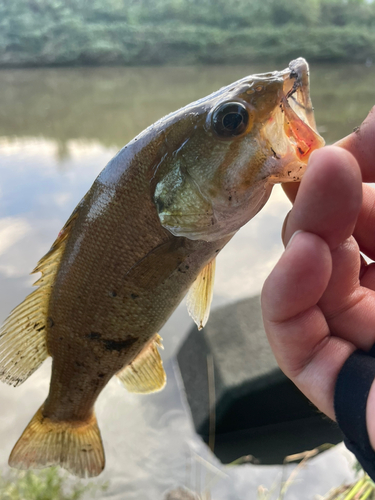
point(351, 392)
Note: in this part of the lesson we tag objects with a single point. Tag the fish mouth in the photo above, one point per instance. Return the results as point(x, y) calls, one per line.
point(292, 130)
point(299, 120)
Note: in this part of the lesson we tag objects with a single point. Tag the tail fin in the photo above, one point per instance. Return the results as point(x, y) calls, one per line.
point(75, 446)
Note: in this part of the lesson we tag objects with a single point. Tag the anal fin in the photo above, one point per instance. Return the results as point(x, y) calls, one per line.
point(145, 373)
point(199, 297)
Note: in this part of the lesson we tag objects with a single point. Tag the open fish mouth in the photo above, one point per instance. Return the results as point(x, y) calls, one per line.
point(299, 121)
point(291, 130)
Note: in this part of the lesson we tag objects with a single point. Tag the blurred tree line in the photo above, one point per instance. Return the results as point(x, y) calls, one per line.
point(133, 32)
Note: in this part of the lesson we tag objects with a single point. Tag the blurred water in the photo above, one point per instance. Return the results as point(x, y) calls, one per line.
point(58, 129)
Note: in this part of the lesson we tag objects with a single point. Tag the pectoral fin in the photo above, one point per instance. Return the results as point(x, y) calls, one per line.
point(182, 209)
point(145, 373)
point(158, 265)
point(200, 294)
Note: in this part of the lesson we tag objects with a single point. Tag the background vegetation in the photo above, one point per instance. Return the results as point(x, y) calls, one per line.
point(46, 484)
point(137, 32)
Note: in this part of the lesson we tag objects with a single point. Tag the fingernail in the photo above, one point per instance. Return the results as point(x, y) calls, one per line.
point(292, 238)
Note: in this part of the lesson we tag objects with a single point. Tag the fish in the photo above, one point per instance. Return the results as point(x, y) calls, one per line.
point(146, 234)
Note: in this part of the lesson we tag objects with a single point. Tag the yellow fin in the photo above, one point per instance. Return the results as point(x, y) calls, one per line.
point(145, 373)
point(199, 297)
point(75, 446)
point(23, 346)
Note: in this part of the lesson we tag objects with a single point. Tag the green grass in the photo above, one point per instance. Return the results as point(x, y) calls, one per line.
point(46, 484)
point(52, 484)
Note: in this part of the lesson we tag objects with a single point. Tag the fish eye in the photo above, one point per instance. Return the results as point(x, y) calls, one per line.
point(230, 119)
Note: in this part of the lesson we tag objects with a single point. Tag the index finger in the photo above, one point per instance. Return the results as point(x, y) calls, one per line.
point(361, 145)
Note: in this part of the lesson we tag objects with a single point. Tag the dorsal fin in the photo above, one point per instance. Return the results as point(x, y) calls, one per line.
point(199, 297)
point(145, 373)
point(23, 346)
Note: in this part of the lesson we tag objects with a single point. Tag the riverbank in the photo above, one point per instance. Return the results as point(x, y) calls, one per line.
point(171, 43)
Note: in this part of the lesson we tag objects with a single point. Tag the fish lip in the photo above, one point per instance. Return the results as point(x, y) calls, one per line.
point(296, 106)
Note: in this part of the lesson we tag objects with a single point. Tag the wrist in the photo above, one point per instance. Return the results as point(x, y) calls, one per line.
point(370, 415)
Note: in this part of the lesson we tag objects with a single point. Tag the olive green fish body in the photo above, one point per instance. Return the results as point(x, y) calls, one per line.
point(121, 275)
point(147, 232)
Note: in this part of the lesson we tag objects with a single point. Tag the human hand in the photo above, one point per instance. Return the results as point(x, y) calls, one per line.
point(319, 301)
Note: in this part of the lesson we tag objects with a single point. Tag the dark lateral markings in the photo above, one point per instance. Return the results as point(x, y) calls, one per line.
point(113, 345)
point(94, 336)
point(118, 345)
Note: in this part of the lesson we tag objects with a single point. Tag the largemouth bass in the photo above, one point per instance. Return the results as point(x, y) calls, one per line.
point(148, 230)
